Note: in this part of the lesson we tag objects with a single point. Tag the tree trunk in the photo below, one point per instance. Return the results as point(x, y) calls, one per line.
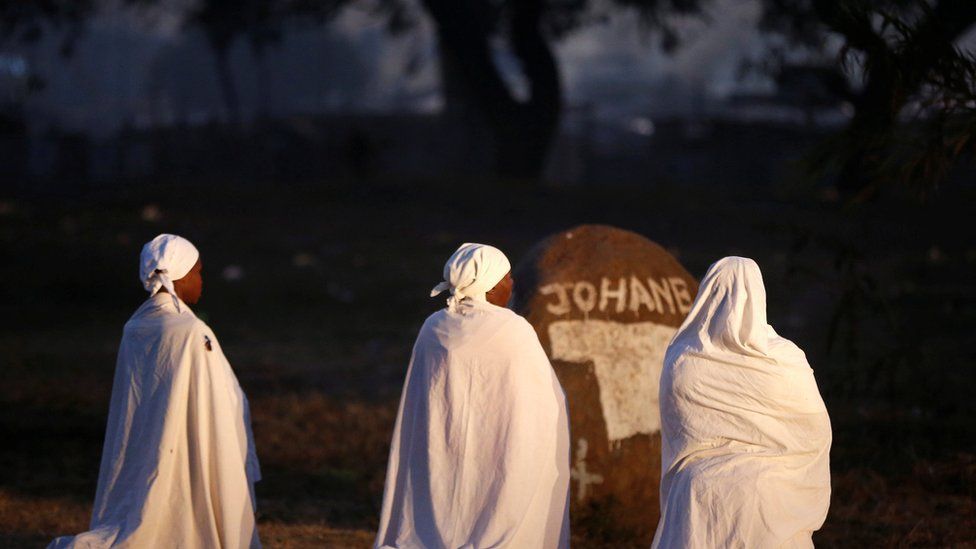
point(228, 89)
point(520, 132)
point(470, 134)
point(524, 152)
point(263, 78)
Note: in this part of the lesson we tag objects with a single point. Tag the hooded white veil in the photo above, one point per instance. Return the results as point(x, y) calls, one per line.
point(745, 433)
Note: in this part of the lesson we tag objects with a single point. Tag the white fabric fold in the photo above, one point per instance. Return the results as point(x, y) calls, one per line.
point(471, 272)
point(178, 463)
point(745, 433)
point(166, 258)
point(480, 450)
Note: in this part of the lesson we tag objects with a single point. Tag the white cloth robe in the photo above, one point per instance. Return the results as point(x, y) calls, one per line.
point(745, 434)
point(178, 463)
point(480, 451)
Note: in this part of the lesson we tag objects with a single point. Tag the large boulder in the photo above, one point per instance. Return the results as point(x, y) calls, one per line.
point(605, 302)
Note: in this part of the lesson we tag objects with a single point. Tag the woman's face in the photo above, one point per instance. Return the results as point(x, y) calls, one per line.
point(502, 292)
point(190, 287)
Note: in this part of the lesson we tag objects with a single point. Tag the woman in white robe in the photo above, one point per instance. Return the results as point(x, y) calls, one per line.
point(480, 451)
point(178, 463)
point(745, 434)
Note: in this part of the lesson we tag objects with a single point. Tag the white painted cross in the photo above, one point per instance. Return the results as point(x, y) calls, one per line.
point(579, 472)
point(627, 361)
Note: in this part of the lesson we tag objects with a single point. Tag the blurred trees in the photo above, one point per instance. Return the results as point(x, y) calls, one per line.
point(911, 90)
point(515, 120)
point(475, 90)
point(261, 23)
point(24, 21)
point(520, 123)
point(914, 108)
point(222, 22)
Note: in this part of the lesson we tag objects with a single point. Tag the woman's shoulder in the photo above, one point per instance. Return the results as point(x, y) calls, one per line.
point(157, 316)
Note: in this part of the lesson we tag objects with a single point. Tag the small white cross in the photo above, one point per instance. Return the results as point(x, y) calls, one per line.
point(579, 472)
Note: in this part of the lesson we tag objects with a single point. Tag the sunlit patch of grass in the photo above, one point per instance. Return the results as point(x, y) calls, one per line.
point(912, 510)
point(29, 521)
point(312, 535)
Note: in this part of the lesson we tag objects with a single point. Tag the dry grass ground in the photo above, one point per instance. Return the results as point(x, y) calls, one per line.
point(331, 287)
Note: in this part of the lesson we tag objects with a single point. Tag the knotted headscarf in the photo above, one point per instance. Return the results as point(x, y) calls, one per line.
point(471, 272)
point(164, 259)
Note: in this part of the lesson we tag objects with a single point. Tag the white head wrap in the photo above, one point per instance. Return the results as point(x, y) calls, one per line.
point(471, 272)
point(729, 314)
point(164, 259)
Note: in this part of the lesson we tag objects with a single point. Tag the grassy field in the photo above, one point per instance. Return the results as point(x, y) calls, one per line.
point(317, 291)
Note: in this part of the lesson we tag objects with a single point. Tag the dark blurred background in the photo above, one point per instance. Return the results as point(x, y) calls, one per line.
point(569, 92)
point(326, 157)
